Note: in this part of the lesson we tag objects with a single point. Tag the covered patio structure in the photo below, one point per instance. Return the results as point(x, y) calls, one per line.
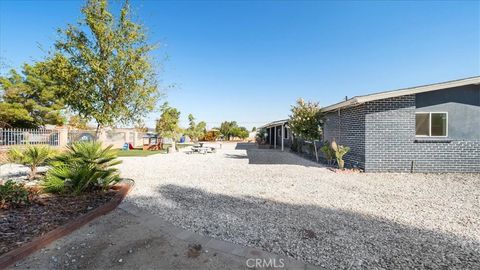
point(278, 134)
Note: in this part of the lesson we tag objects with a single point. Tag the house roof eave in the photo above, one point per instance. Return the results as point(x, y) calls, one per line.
point(275, 123)
point(403, 92)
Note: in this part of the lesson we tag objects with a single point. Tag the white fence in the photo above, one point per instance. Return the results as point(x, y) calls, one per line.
point(21, 136)
point(62, 137)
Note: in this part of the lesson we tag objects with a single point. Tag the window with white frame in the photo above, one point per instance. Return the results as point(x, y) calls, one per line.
point(431, 124)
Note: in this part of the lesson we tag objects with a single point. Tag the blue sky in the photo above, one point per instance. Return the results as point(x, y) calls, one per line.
point(250, 61)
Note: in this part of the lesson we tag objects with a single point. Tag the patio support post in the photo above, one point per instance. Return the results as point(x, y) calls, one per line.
point(275, 137)
point(270, 136)
point(283, 135)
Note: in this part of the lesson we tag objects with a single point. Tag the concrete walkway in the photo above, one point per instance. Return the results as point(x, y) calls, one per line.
point(129, 238)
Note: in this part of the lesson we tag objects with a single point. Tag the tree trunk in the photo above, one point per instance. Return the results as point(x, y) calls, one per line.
point(96, 132)
point(173, 148)
point(33, 172)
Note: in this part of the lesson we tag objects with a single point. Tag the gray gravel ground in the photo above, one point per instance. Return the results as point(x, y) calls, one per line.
point(121, 240)
point(288, 205)
point(18, 173)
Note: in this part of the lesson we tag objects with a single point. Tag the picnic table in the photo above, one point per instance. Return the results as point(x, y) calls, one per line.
point(199, 148)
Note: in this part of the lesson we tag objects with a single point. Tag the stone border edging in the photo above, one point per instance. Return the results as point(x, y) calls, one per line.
point(25, 250)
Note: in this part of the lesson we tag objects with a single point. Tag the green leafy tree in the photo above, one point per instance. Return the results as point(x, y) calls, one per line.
point(77, 121)
point(195, 131)
point(231, 129)
point(31, 99)
point(305, 120)
point(141, 127)
point(104, 63)
point(168, 124)
point(240, 132)
point(202, 129)
point(226, 128)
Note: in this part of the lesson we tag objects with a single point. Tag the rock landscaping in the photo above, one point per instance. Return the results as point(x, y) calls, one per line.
point(288, 205)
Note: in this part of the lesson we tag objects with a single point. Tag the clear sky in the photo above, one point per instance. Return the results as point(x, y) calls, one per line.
point(250, 61)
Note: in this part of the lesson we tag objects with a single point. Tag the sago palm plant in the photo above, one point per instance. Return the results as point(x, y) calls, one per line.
point(339, 151)
point(84, 166)
point(32, 157)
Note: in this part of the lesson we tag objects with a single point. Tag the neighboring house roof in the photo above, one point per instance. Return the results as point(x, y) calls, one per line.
point(402, 92)
point(275, 123)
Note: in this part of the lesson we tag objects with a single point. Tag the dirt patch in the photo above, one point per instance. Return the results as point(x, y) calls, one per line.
point(194, 250)
point(45, 213)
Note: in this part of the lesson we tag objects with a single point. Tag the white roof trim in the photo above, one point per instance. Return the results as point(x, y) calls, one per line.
point(275, 123)
point(402, 92)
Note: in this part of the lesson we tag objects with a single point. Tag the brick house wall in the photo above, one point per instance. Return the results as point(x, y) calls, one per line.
point(390, 133)
point(348, 128)
point(381, 135)
point(391, 144)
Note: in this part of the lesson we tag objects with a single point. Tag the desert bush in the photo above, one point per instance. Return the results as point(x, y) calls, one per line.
point(84, 166)
point(13, 195)
point(210, 136)
point(31, 156)
point(328, 152)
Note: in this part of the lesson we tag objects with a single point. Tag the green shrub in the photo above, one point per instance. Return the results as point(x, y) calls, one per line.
point(328, 152)
point(261, 136)
point(295, 145)
point(84, 166)
point(13, 195)
point(32, 157)
point(53, 184)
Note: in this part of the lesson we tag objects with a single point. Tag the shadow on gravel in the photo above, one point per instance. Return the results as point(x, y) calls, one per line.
point(245, 146)
point(270, 156)
point(235, 156)
point(332, 238)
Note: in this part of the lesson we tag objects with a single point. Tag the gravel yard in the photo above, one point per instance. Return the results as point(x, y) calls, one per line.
point(288, 205)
